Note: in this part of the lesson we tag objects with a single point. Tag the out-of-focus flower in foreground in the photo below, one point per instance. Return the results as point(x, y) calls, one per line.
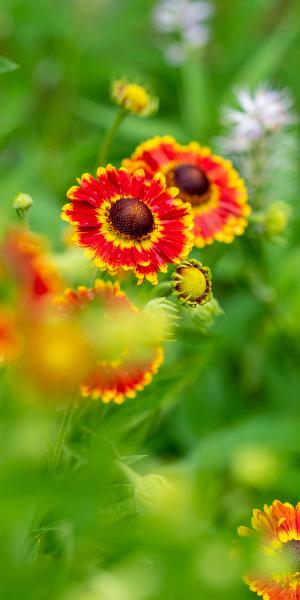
point(134, 98)
point(123, 363)
point(162, 316)
point(278, 530)
point(273, 221)
point(261, 112)
point(185, 21)
point(207, 182)
point(25, 257)
point(56, 355)
point(9, 336)
point(129, 221)
point(192, 283)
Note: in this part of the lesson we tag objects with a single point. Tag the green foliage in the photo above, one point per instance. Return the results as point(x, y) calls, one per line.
point(78, 531)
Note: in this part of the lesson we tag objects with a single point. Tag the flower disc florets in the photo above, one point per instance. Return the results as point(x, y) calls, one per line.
point(192, 283)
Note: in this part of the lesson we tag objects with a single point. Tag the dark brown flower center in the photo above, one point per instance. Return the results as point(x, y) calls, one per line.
point(191, 180)
point(131, 217)
point(291, 554)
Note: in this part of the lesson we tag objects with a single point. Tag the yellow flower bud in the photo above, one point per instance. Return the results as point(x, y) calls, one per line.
point(134, 98)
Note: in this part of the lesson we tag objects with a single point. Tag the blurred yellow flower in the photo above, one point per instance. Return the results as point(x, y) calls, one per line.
point(134, 98)
point(57, 355)
point(124, 359)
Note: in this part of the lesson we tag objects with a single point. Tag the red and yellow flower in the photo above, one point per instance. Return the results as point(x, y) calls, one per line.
point(121, 369)
point(129, 221)
point(278, 530)
point(208, 182)
point(10, 341)
point(25, 257)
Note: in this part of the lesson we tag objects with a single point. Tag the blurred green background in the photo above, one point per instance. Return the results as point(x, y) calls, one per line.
point(222, 417)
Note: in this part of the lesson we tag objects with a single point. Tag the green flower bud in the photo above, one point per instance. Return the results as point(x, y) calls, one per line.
point(22, 201)
point(276, 219)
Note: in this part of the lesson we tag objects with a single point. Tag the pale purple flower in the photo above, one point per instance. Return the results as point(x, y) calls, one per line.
point(185, 22)
point(260, 112)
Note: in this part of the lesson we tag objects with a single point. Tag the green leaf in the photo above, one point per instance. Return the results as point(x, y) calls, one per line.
point(265, 62)
point(7, 65)
point(196, 92)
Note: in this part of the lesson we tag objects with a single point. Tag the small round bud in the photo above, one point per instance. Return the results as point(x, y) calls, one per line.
point(134, 98)
point(152, 490)
point(276, 219)
point(22, 201)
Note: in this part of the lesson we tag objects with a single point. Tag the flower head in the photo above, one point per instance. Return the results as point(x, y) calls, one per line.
point(134, 98)
point(129, 221)
point(122, 365)
point(56, 354)
point(260, 112)
point(278, 530)
point(192, 283)
point(186, 20)
point(26, 258)
point(207, 182)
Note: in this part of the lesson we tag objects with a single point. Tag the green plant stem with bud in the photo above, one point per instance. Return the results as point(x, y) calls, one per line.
point(22, 203)
point(109, 136)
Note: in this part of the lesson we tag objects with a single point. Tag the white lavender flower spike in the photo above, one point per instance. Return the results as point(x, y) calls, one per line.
point(186, 20)
point(260, 112)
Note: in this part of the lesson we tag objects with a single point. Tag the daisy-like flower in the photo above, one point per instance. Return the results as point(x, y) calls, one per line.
point(192, 283)
point(278, 530)
point(129, 221)
point(134, 98)
point(260, 112)
point(122, 368)
point(205, 181)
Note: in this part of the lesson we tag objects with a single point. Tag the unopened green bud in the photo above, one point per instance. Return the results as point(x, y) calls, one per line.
point(153, 491)
point(22, 201)
point(205, 315)
point(276, 219)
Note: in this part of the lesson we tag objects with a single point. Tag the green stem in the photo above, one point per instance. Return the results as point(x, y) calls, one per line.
point(62, 434)
point(109, 136)
point(41, 511)
point(24, 217)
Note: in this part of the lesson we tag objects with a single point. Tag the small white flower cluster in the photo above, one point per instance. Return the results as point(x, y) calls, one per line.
point(185, 22)
point(260, 112)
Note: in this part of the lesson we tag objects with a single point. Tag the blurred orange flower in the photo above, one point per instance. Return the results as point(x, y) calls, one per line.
point(278, 530)
point(122, 366)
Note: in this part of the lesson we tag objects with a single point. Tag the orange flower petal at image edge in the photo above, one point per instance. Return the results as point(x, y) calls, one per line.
point(114, 379)
point(10, 340)
point(126, 221)
point(211, 185)
point(25, 257)
point(278, 529)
